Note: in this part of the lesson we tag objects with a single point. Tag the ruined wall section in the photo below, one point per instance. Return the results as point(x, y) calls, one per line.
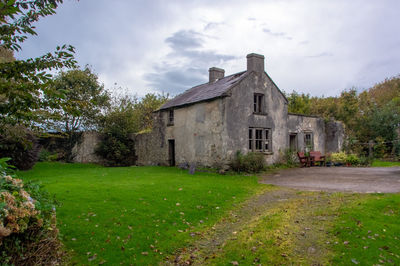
point(302, 124)
point(84, 149)
point(151, 147)
point(335, 135)
point(240, 116)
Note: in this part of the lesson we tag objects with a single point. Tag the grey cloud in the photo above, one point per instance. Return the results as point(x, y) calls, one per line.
point(175, 80)
point(187, 45)
point(276, 34)
point(184, 40)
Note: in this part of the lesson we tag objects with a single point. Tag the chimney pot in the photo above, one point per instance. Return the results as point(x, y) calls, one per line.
point(215, 73)
point(255, 62)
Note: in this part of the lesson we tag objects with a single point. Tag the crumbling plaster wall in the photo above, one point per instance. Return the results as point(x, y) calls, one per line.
point(300, 124)
point(151, 147)
point(199, 133)
point(335, 135)
point(239, 115)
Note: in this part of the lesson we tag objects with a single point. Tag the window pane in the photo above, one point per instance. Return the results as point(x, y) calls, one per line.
point(250, 145)
point(250, 134)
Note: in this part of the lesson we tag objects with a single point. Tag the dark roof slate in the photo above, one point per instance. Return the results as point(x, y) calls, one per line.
point(205, 91)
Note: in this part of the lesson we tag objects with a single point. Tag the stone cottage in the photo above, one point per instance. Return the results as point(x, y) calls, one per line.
point(207, 124)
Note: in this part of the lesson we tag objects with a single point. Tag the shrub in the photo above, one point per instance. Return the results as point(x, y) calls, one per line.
point(365, 161)
point(288, 158)
point(338, 157)
point(380, 148)
point(353, 159)
point(117, 151)
point(47, 156)
point(251, 162)
point(28, 232)
point(20, 144)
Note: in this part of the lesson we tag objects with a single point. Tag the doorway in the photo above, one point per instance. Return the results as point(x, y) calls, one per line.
point(293, 142)
point(171, 152)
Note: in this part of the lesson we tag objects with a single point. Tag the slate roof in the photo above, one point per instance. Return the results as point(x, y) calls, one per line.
point(205, 91)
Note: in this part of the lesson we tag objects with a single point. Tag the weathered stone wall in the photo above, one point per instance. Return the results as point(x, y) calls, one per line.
point(335, 135)
point(152, 147)
point(199, 133)
point(240, 116)
point(84, 149)
point(301, 124)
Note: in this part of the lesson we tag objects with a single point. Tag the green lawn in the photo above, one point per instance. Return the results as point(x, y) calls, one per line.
point(142, 215)
point(368, 231)
point(136, 214)
point(378, 163)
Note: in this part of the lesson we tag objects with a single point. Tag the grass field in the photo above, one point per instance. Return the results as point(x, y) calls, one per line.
point(378, 163)
point(368, 231)
point(144, 215)
point(135, 214)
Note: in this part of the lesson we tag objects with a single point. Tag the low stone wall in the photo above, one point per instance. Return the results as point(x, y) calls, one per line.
point(84, 149)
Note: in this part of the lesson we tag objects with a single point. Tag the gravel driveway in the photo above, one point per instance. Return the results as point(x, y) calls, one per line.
point(351, 179)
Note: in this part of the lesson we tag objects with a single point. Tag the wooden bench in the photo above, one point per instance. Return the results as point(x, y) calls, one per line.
point(317, 157)
point(304, 160)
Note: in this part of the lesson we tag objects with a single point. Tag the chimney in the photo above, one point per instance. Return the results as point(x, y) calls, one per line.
point(215, 74)
point(255, 62)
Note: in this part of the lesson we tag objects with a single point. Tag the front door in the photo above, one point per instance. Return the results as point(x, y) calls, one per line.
point(171, 152)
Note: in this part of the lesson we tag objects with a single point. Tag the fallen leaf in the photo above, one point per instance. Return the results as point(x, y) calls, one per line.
point(354, 261)
point(145, 253)
point(234, 263)
point(93, 257)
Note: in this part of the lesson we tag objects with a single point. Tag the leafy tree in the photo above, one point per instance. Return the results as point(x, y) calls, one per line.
point(84, 99)
point(117, 126)
point(23, 83)
point(126, 117)
point(145, 107)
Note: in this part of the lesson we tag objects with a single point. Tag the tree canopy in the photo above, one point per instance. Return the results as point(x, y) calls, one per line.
point(84, 100)
point(23, 83)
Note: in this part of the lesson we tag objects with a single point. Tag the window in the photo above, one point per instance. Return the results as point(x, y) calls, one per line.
point(260, 139)
point(308, 141)
point(250, 139)
point(258, 103)
point(171, 117)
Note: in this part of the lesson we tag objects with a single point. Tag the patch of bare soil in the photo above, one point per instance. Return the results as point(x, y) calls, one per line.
point(307, 228)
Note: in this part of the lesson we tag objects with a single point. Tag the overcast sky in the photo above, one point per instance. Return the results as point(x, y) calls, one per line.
point(311, 46)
